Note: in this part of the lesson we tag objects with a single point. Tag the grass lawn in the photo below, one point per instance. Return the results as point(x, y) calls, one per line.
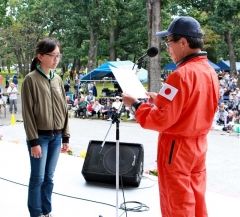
point(100, 85)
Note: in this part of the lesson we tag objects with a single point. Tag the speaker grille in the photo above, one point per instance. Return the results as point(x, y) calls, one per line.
point(127, 160)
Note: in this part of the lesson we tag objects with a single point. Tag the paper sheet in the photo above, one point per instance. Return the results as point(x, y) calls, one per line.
point(129, 82)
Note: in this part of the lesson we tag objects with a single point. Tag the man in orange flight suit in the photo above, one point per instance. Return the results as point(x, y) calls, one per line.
point(182, 112)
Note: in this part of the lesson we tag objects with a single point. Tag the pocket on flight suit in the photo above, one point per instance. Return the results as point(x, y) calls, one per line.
point(170, 157)
point(173, 154)
point(181, 155)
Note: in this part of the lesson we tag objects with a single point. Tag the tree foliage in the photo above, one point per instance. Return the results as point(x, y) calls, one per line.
point(92, 31)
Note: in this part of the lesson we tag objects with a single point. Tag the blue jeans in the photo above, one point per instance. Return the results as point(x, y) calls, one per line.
point(42, 171)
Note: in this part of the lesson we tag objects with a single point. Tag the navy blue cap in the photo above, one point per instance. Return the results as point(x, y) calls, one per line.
point(183, 25)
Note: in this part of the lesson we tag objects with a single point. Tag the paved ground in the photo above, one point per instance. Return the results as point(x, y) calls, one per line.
point(7, 120)
point(223, 155)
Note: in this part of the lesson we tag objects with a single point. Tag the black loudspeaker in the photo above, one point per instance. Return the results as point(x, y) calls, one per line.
point(100, 163)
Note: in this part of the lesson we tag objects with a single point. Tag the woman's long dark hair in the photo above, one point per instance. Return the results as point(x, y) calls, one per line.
point(44, 46)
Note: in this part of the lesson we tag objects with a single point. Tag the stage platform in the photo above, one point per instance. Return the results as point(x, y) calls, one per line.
point(73, 197)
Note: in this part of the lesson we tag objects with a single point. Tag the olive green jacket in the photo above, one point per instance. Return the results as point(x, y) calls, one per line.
point(44, 106)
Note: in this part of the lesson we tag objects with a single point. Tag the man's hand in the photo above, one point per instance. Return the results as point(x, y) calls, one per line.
point(128, 100)
point(152, 96)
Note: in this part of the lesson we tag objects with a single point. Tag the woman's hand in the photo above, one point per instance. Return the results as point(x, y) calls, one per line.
point(36, 151)
point(65, 147)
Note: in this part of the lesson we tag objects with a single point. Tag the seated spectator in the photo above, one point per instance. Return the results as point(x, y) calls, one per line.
point(90, 97)
point(90, 108)
point(70, 102)
point(221, 115)
point(71, 96)
point(116, 105)
point(230, 122)
point(116, 108)
point(97, 108)
point(82, 108)
point(233, 101)
point(106, 110)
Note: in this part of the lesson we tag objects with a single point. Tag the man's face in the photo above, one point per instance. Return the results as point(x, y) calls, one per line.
point(174, 49)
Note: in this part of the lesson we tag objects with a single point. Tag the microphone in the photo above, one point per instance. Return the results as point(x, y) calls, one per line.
point(151, 52)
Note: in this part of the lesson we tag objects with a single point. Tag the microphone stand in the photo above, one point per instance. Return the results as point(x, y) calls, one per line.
point(115, 119)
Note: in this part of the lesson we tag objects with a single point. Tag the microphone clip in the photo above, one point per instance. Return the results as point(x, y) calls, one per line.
point(151, 52)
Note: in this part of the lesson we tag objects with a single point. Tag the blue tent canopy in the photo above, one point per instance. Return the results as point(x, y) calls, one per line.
point(225, 65)
point(172, 66)
point(105, 71)
point(215, 66)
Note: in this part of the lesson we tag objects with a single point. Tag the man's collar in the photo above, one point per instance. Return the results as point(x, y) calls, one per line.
point(190, 56)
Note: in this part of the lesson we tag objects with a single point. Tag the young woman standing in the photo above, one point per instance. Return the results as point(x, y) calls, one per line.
point(45, 117)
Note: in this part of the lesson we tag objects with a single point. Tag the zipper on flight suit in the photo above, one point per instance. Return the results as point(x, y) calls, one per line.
point(171, 152)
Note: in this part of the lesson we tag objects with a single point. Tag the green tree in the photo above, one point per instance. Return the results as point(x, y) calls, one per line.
point(154, 22)
point(225, 19)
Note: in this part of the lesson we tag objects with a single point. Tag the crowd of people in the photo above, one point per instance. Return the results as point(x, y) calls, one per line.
point(228, 113)
point(88, 106)
point(85, 103)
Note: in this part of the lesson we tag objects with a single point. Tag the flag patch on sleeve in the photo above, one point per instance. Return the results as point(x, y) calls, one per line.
point(168, 91)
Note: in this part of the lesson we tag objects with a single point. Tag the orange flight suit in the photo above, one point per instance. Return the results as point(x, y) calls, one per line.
point(183, 120)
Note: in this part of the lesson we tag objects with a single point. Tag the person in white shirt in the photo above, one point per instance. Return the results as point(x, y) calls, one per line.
point(12, 93)
point(221, 115)
point(117, 103)
point(116, 107)
point(97, 108)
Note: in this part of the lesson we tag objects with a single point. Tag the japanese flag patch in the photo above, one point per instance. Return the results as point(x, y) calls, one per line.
point(168, 91)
